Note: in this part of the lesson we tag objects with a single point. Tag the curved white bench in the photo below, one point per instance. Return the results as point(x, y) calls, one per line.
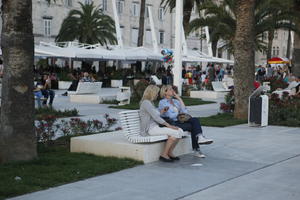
point(87, 92)
point(130, 121)
point(87, 88)
point(147, 149)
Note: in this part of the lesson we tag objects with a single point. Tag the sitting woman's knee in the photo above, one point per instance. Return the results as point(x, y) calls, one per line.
point(173, 138)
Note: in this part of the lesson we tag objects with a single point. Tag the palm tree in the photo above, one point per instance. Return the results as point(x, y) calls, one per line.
point(188, 6)
point(243, 48)
point(277, 14)
point(221, 19)
point(17, 134)
point(88, 25)
point(141, 23)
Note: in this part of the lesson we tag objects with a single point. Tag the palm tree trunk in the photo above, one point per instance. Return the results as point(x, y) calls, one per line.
point(244, 57)
point(288, 48)
point(187, 11)
point(214, 45)
point(296, 53)
point(270, 43)
point(141, 23)
point(17, 136)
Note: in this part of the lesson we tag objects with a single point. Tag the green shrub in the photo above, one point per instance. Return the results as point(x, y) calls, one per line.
point(117, 75)
point(284, 111)
point(228, 106)
point(64, 76)
point(276, 83)
point(138, 90)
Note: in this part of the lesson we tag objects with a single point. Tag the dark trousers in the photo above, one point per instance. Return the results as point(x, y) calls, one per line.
point(73, 86)
point(47, 94)
point(194, 126)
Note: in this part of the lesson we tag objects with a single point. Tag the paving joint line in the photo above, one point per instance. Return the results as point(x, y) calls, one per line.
point(230, 179)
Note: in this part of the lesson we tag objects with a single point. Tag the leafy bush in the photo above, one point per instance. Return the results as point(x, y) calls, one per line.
point(284, 111)
point(117, 75)
point(228, 106)
point(64, 76)
point(47, 126)
point(138, 90)
point(276, 83)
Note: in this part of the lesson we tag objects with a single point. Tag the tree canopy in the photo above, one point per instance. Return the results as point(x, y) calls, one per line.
point(88, 25)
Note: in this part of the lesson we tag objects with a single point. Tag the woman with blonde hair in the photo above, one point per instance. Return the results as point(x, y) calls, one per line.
point(170, 106)
point(150, 120)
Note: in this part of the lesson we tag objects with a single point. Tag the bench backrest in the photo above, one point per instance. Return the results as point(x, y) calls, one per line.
point(88, 88)
point(130, 121)
point(156, 80)
point(218, 86)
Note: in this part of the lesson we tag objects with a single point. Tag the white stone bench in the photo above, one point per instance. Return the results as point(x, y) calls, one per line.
point(207, 94)
point(291, 89)
point(219, 86)
point(128, 143)
point(87, 88)
point(116, 144)
point(124, 95)
point(87, 92)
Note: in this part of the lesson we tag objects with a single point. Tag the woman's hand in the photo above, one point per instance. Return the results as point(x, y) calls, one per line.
point(176, 95)
point(165, 109)
point(172, 127)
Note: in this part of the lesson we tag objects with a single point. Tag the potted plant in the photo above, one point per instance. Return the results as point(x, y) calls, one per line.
point(64, 80)
point(117, 78)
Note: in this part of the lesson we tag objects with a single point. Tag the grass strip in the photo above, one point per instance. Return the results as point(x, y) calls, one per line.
point(54, 167)
point(221, 120)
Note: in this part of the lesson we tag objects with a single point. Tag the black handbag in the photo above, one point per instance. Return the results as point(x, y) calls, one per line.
point(183, 117)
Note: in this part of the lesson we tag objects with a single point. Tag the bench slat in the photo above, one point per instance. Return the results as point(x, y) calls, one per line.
point(130, 121)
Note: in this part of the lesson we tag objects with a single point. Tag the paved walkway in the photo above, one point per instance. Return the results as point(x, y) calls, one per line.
point(244, 163)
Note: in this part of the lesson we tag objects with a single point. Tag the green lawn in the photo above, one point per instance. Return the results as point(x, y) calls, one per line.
point(221, 120)
point(187, 100)
point(54, 167)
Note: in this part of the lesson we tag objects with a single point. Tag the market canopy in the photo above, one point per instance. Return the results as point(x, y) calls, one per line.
point(278, 60)
point(78, 51)
point(96, 52)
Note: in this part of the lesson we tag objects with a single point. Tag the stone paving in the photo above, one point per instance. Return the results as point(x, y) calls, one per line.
point(243, 163)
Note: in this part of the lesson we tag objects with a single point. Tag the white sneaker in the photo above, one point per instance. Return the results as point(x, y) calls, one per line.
point(199, 154)
point(203, 140)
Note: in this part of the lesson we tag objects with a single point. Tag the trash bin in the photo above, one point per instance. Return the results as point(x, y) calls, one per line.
point(258, 110)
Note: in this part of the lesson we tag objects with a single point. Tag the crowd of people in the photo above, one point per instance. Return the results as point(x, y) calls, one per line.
point(278, 72)
point(195, 75)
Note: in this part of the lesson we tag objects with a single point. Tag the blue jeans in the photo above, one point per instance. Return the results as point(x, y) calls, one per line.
point(47, 94)
point(38, 95)
point(194, 126)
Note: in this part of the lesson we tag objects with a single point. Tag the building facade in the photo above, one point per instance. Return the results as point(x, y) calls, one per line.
point(47, 19)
